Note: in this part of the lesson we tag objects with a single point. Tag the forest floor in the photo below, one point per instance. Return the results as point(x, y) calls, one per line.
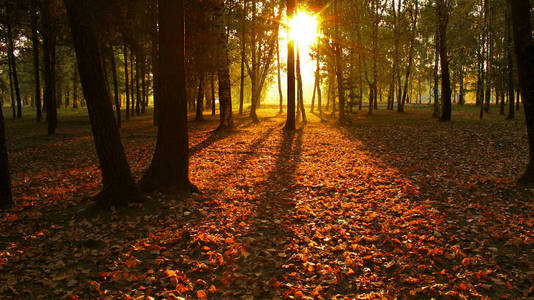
point(393, 205)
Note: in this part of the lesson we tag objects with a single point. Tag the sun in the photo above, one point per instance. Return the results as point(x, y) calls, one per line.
point(303, 29)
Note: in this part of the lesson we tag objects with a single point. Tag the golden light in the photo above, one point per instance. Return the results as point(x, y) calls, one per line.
point(303, 29)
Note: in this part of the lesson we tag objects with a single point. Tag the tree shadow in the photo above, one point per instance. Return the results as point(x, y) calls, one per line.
point(269, 235)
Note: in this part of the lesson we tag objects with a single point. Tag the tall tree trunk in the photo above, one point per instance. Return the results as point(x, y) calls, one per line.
point(410, 53)
point(115, 85)
point(36, 71)
point(132, 81)
point(126, 82)
point(155, 63)
point(278, 75)
point(524, 53)
point(49, 54)
point(212, 86)
point(200, 98)
point(436, 113)
point(223, 70)
point(169, 169)
point(118, 184)
point(242, 78)
point(290, 121)
point(11, 50)
point(461, 99)
point(489, 56)
point(443, 18)
point(137, 87)
point(339, 64)
point(300, 90)
point(143, 85)
point(11, 88)
point(510, 64)
point(5, 181)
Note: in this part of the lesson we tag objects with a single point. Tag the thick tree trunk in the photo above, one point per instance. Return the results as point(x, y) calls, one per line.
point(443, 18)
point(36, 71)
point(524, 52)
point(290, 121)
point(223, 70)
point(5, 181)
point(118, 184)
point(49, 54)
point(169, 170)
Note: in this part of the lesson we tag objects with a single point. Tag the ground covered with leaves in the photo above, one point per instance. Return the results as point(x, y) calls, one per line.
point(392, 205)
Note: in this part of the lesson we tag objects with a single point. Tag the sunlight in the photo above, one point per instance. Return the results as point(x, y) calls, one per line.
point(303, 29)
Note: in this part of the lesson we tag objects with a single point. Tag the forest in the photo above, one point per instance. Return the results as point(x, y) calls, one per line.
point(266, 149)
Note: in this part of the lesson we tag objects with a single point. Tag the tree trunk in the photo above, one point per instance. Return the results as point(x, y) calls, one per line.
point(126, 82)
point(143, 84)
point(278, 75)
point(223, 70)
point(137, 87)
point(74, 86)
point(290, 121)
point(242, 78)
point(115, 85)
point(35, 45)
point(5, 181)
point(11, 88)
point(510, 64)
point(339, 64)
point(11, 54)
point(436, 113)
point(212, 86)
point(410, 54)
point(169, 169)
point(118, 184)
point(300, 90)
point(489, 56)
point(443, 18)
point(200, 98)
point(155, 63)
point(49, 54)
point(524, 53)
point(132, 82)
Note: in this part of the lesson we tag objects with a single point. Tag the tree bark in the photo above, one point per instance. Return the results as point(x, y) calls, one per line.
point(443, 18)
point(223, 70)
point(200, 98)
point(49, 54)
point(290, 121)
point(6, 199)
point(116, 94)
point(524, 53)
point(126, 82)
point(36, 71)
point(169, 169)
point(118, 185)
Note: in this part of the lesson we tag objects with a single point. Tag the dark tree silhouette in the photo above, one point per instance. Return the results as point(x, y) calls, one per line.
point(443, 18)
point(49, 53)
point(5, 181)
point(290, 122)
point(169, 170)
point(118, 184)
point(524, 53)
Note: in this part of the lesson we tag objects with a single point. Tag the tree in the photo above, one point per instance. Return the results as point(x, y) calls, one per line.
point(524, 53)
point(5, 181)
point(290, 121)
point(49, 53)
point(443, 16)
point(12, 59)
point(223, 69)
point(35, 44)
point(118, 184)
point(169, 169)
